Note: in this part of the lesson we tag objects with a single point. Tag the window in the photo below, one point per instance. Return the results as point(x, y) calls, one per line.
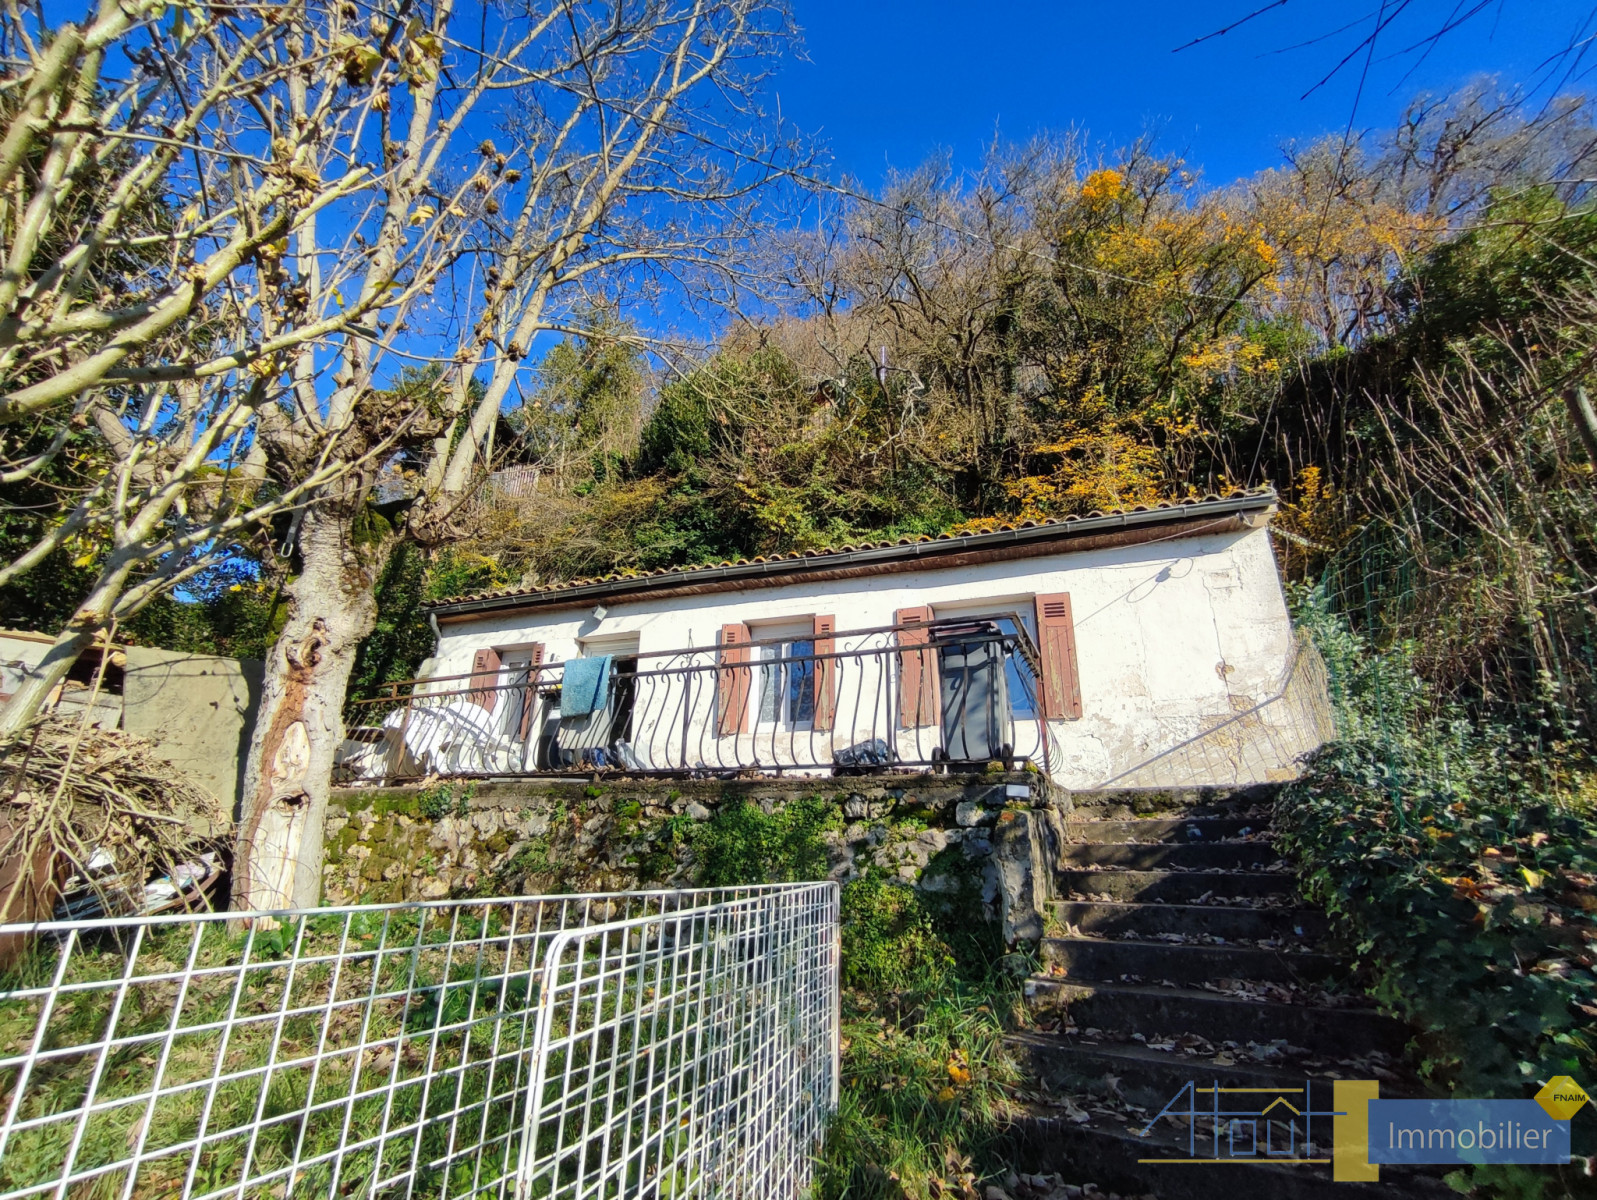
point(1021, 687)
point(787, 684)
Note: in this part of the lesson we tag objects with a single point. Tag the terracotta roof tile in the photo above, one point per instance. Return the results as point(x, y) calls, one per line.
point(543, 589)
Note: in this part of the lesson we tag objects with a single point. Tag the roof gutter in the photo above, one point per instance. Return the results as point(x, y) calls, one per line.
point(643, 584)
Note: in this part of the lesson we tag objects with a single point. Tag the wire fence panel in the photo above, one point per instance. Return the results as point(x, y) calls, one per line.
point(371, 1050)
point(689, 1055)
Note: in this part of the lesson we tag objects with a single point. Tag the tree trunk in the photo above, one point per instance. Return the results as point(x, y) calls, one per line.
point(331, 608)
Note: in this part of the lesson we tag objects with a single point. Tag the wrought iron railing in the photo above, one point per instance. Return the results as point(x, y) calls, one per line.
point(913, 696)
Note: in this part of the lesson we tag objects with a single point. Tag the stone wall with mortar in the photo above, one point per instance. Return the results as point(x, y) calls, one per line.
point(993, 833)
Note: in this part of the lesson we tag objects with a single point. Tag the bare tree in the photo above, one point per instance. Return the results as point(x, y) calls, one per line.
point(151, 180)
point(626, 142)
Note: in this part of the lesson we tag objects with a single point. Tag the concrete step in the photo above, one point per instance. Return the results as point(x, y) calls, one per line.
point(1177, 962)
point(1122, 1009)
point(1297, 926)
point(1163, 829)
point(1108, 1153)
point(1198, 856)
point(1067, 1065)
point(1174, 887)
point(1111, 803)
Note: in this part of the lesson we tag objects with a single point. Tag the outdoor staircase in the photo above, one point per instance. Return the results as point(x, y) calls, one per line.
point(1178, 952)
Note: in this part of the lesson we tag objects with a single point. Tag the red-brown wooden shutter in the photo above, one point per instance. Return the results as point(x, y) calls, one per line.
point(919, 698)
point(1056, 637)
point(732, 682)
point(529, 694)
point(484, 676)
point(825, 672)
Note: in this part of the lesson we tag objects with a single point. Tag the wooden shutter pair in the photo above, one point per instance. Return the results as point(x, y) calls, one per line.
point(485, 667)
point(735, 676)
point(920, 693)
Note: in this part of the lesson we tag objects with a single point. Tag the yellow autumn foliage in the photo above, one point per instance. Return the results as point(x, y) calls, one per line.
point(1103, 186)
point(1096, 471)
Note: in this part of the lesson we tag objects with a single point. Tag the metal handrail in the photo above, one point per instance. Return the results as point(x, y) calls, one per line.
point(1022, 635)
point(839, 710)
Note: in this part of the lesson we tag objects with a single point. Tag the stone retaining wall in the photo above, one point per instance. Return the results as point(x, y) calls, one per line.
point(948, 836)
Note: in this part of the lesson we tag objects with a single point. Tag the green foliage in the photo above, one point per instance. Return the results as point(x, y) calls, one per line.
point(682, 429)
point(1461, 875)
point(230, 613)
point(1466, 903)
point(740, 457)
point(1503, 271)
point(742, 843)
point(531, 860)
point(925, 1071)
point(890, 943)
point(589, 401)
point(44, 598)
point(445, 799)
point(401, 637)
point(458, 570)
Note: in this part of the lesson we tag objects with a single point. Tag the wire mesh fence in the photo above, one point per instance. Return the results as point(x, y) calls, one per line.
point(674, 1055)
point(403, 1050)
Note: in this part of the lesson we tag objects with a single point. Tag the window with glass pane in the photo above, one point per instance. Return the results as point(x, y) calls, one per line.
point(787, 684)
point(1022, 687)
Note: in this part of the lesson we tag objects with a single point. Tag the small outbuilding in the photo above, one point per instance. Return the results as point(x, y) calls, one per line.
point(1150, 646)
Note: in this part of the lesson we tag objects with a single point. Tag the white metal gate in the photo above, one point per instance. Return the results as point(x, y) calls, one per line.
point(647, 1044)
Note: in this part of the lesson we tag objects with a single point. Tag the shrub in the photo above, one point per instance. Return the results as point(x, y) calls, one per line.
point(742, 843)
point(1457, 861)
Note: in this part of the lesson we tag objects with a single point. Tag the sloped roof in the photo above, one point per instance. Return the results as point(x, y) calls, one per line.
point(926, 548)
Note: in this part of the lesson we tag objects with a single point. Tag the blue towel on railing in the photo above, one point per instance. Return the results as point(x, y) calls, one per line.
point(585, 686)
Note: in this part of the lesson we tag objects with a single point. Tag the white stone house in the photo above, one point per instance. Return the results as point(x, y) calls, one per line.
point(1148, 646)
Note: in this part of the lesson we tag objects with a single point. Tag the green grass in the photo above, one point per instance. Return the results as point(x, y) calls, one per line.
point(393, 1073)
point(926, 1078)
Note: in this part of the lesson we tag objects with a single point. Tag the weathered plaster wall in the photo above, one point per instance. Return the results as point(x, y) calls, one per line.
point(1173, 639)
point(944, 835)
point(199, 707)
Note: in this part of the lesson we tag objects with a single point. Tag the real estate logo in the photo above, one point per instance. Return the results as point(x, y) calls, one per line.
point(1562, 1097)
point(1255, 1126)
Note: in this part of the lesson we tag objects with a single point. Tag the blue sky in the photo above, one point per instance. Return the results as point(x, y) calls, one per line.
point(892, 81)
